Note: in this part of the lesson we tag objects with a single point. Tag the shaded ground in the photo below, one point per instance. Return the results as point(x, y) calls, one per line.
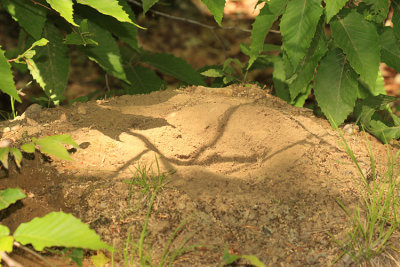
point(249, 171)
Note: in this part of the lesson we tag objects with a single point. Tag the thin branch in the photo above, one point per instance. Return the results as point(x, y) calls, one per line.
point(18, 245)
point(9, 261)
point(191, 21)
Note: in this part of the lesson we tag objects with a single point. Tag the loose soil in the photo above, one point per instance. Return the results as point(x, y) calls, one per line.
point(246, 170)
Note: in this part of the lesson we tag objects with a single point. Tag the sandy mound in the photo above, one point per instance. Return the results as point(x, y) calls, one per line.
point(252, 173)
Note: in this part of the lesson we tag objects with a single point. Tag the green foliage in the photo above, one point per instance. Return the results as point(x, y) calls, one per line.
point(54, 229)
point(173, 66)
point(228, 259)
point(10, 196)
point(225, 74)
point(58, 229)
point(52, 145)
point(336, 86)
point(50, 66)
point(96, 28)
point(6, 79)
point(340, 64)
point(216, 8)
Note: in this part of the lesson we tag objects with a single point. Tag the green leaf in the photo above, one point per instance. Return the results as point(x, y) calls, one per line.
point(228, 259)
point(379, 9)
point(147, 4)
point(396, 17)
point(6, 78)
point(368, 106)
point(50, 66)
point(99, 260)
point(333, 7)
point(52, 145)
point(263, 22)
point(77, 256)
point(109, 7)
point(65, 8)
point(17, 156)
point(390, 48)
point(10, 196)
point(107, 53)
point(336, 86)
point(279, 77)
point(384, 132)
point(216, 8)
point(4, 231)
point(81, 36)
point(41, 42)
point(174, 66)
point(124, 31)
point(143, 80)
point(6, 243)
point(360, 42)
point(28, 148)
point(4, 156)
point(29, 16)
point(58, 229)
point(213, 73)
point(306, 69)
point(298, 25)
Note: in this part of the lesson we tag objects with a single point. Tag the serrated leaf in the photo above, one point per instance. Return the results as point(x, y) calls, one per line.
point(50, 66)
point(336, 86)
point(306, 69)
point(58, 229)
point(333, 7)
point(147, 4)
point(298, 25)
point(10, 196)
point(6, 78)
point(213, 73)
point(396, 17)
point(216, 8)
point(109, 7)
point(29, 16)
point(107, 53)
point(4, 156)
point(52, 145)
point(124, 31)
point(99, 260)
point(263, 22)
point(6, 244)
point(360, 42)
point(28, 148)
point(65, 8)
point(143, 80)
point(174, 66)
point(17, 156)
point(390, 48)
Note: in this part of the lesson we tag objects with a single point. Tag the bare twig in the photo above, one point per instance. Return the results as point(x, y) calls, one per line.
point(9, 261)
point(191, 21)
point(18, 245)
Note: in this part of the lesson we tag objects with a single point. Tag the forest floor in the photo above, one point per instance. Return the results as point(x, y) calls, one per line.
point(246, 170)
